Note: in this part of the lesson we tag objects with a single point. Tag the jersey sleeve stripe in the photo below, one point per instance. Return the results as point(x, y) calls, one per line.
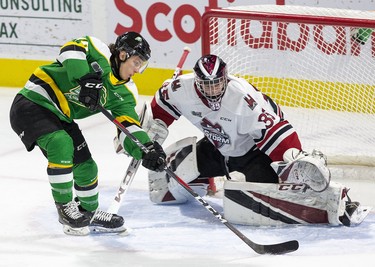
point(71, 55)
point(163, 110)
point(274, 137)
point(42, 80)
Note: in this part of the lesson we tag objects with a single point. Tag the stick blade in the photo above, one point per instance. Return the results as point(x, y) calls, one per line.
point(276, 249)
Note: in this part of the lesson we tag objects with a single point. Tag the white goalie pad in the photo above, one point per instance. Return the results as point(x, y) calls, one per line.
point(264, 204)
point(181, 158)
point(156, 129)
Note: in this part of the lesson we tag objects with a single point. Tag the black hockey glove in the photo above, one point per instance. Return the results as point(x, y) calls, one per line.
point(155, 159)
point(91, 84)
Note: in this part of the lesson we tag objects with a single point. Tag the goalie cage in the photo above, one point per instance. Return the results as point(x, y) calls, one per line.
point(316, 64)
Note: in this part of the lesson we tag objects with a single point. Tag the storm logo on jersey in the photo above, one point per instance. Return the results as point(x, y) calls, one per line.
point(215, 133)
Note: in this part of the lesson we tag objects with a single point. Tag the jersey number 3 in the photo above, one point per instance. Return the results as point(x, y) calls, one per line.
point(267, 119)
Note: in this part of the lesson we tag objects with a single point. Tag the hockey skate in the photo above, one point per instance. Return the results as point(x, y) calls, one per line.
point(73, 221)
point(354, 213)
point(103, 222)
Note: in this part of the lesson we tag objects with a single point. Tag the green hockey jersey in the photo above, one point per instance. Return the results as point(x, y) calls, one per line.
point(55, 87)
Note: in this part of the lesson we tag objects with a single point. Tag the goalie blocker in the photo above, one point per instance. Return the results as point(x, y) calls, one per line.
point(251, 203)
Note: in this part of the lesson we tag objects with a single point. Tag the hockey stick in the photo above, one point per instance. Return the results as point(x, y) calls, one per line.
point(280, 248)
point(177, 71)
point(128, 178)
point(134, 164)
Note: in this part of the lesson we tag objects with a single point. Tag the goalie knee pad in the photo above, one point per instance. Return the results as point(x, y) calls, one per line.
point(181, 158)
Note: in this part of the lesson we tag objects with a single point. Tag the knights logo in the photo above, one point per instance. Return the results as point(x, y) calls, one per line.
point(215, 133)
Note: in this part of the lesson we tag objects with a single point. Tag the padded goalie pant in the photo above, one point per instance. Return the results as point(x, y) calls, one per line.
point(255, 165)
point(62, 143)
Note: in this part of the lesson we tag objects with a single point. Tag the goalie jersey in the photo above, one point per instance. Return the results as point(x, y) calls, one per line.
point(246, 120)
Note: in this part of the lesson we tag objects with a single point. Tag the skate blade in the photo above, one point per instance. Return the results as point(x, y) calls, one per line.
point(359, 215)
point(80, 231)
point(97, 230)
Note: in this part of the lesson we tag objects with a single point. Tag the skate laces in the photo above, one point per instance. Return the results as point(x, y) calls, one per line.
point(71, 209)
point(103, 216)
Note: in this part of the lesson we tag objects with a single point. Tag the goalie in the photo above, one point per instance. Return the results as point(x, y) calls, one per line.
point(245, 131)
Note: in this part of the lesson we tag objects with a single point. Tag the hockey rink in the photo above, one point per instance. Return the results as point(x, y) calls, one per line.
point(177, 235)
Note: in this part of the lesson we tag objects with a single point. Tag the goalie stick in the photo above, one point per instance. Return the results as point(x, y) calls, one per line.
point(134, 164)
point(279, 248)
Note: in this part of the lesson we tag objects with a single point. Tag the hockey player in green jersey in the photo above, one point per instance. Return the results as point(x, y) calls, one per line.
point(43, 114)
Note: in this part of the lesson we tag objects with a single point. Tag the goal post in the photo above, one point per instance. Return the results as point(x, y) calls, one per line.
point(317, 63)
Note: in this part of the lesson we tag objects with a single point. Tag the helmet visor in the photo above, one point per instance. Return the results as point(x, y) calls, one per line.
point(213, 90)
point(138, 63)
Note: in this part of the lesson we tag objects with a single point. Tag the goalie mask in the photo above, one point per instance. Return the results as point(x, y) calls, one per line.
point(134, 45)
point(211, 79)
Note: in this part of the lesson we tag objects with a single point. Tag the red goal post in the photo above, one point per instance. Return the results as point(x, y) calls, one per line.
point(317, 63)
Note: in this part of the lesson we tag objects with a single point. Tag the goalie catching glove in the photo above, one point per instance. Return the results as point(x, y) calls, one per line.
point(89, 95)
point(154, 159)
point(300, 167)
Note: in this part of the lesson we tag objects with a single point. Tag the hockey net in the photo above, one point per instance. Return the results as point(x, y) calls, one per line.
point(317, 63)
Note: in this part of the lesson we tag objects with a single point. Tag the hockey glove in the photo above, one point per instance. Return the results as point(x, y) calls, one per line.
point(155, 159)
point(300, 167)
point(91, 84)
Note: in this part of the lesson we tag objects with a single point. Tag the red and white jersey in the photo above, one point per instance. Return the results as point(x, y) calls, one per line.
point(247, 118)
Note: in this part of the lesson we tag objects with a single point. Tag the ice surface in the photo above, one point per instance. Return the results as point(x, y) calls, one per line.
point(179, 235)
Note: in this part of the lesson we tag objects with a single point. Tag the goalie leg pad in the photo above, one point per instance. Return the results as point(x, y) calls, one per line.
point(158, 188)
point(279, 204)
point(181, 158)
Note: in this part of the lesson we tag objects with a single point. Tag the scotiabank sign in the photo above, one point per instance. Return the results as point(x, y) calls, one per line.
point(338, 42)
point(170, 25)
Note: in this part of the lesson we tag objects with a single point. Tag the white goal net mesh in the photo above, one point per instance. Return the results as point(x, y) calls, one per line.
point(317, 63)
